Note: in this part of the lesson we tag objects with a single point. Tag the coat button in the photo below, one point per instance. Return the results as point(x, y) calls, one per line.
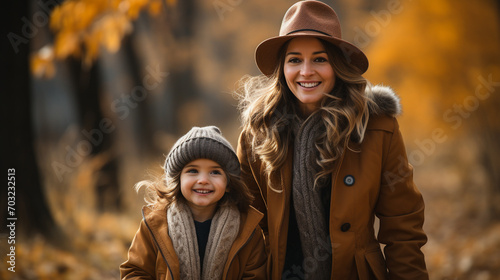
point(345, 227)
point(349, 180)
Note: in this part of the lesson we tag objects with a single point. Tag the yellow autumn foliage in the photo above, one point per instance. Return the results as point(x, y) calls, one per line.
point(82, 27)
point(67, 43)
point(41, 63)
point(433, 53)
point(108, 32)
point(155, 7)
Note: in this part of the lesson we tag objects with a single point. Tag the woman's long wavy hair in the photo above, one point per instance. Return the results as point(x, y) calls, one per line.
point(162, 191)
point(268, 107)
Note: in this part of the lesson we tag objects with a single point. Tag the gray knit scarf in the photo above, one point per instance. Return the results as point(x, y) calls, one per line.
point(223, 231)
point(311, 217)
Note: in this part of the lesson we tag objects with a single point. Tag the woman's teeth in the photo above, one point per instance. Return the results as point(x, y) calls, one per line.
point(309, 85)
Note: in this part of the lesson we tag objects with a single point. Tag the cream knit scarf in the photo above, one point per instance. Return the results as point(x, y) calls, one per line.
point(311, 217)
point(223, 232)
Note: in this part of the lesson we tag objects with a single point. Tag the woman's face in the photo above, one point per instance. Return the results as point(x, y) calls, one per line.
point(308, 72)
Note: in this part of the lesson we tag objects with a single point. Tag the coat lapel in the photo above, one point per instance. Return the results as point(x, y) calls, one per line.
point(249, 221)
point(278, 208)
point(157, 223)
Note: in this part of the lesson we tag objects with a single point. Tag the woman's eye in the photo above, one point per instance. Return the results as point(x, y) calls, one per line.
point(294, 60)
point(321, 59)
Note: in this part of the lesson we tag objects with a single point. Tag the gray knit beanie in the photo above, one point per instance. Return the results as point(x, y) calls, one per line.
point(202, 142)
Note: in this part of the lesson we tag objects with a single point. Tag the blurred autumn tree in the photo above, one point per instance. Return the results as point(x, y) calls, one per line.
point(82, 29)
point(443, 57)
point(18, 151)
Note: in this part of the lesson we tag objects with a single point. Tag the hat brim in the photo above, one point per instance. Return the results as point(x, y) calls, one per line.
point(266, 53)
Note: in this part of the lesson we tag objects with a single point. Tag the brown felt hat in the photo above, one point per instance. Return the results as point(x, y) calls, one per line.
point(308, 19)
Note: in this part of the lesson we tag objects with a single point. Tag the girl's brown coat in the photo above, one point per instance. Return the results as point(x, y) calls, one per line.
point(152, 255)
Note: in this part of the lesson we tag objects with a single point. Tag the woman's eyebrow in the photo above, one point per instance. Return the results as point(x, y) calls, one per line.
point(298, 53)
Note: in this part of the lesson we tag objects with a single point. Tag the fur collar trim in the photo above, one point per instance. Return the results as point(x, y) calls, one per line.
point(386, 100)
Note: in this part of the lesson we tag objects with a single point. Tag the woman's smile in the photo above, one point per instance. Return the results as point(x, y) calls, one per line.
point(308, 85)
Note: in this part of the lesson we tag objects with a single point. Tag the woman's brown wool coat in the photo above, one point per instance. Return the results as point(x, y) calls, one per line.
point(371, 178)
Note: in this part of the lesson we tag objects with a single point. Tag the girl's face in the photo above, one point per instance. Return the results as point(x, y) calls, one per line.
point(308, 72)
point(203, 184)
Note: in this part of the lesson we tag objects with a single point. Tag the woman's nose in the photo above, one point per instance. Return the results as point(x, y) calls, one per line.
point(306, 69)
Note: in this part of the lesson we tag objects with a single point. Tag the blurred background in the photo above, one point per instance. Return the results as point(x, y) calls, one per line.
point(94, 93)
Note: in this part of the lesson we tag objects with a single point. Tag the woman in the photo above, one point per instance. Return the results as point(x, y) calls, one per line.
point(322, 152)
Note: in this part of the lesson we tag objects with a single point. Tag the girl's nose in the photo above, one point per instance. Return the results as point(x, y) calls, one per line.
point(203, 179)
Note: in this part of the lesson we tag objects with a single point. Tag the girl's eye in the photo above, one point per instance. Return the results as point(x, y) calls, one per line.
point(294, 60)
point(192, 170)
point(216, 172)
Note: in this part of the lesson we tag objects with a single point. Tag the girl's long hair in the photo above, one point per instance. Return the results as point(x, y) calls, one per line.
point(268, 107)
point(161, 191)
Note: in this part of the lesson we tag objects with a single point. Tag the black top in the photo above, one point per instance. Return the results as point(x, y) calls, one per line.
point(202, 233)
point(294, 257)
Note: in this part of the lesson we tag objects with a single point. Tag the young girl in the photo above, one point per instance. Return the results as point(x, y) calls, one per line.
point(322, 152)
point(198, 224)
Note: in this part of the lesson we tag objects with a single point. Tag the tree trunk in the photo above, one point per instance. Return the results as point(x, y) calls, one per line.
point(183, 86)
point(145, 131)
point(88, 97)
point(18, 152)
